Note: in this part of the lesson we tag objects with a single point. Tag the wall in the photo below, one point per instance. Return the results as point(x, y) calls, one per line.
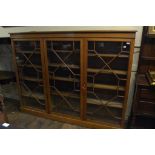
point(9, 90)
point(6, 60)
point(4, 32)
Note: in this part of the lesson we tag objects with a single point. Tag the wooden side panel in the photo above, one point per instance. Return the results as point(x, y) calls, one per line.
point(128, 82)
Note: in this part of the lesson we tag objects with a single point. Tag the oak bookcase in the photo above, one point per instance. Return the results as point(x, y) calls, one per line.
point(79, 77)
point(143, 111)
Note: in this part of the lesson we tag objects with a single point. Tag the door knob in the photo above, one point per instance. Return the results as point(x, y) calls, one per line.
point(84, 86)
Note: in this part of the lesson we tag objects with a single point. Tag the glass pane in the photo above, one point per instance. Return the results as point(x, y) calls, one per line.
point(64, 74)
point(106, 77)
point(28, 60)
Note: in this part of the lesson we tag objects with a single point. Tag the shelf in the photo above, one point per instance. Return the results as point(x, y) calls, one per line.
point(107, 71)
point(30, 66)
point(105, 86)
point(142, 80)
point(91, 85)
point(120, 72)
point(89, 100)
point(28, 52)
point(110, 104)
point(109, 55)
point(147, 114)
point(31, 79)
point(21, 46)
point(148, 58)
point(65, 51)
point(62, 65)
point(33, 95)
point(93, 70)
point(66, 94)
point(68, 79)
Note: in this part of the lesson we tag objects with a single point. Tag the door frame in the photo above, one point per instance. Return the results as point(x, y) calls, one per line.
point(17, 69)
point(82, 73)
point(130, 60)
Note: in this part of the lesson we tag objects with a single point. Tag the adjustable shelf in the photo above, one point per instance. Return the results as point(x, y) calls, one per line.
point(63, 65)
point(147, 58)
point(90, 100)
point(33, 95)
point(67, 94)
point(31, 79)
point(106, 71)
point(21, 46)
point(103, 102)
point(91, 85)
point(64, 51)
point(28, 52)
point(105, 86)
point(30, 66)
point(93, 70)
point(68, 79)
point(109, 55)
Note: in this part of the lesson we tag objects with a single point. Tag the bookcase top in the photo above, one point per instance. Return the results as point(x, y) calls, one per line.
point(78, 31)
point(76, 34)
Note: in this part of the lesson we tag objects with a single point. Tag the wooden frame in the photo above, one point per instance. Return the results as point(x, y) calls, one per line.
point(83, 37)
point(143, 91)
point(81, 69)
point(42, 66)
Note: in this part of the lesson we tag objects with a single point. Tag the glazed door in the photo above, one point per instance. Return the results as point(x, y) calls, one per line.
point(30, 74)
point(106, 79)
point(64, 75)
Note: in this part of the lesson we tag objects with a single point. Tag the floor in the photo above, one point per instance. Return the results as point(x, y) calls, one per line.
point(20, 120)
